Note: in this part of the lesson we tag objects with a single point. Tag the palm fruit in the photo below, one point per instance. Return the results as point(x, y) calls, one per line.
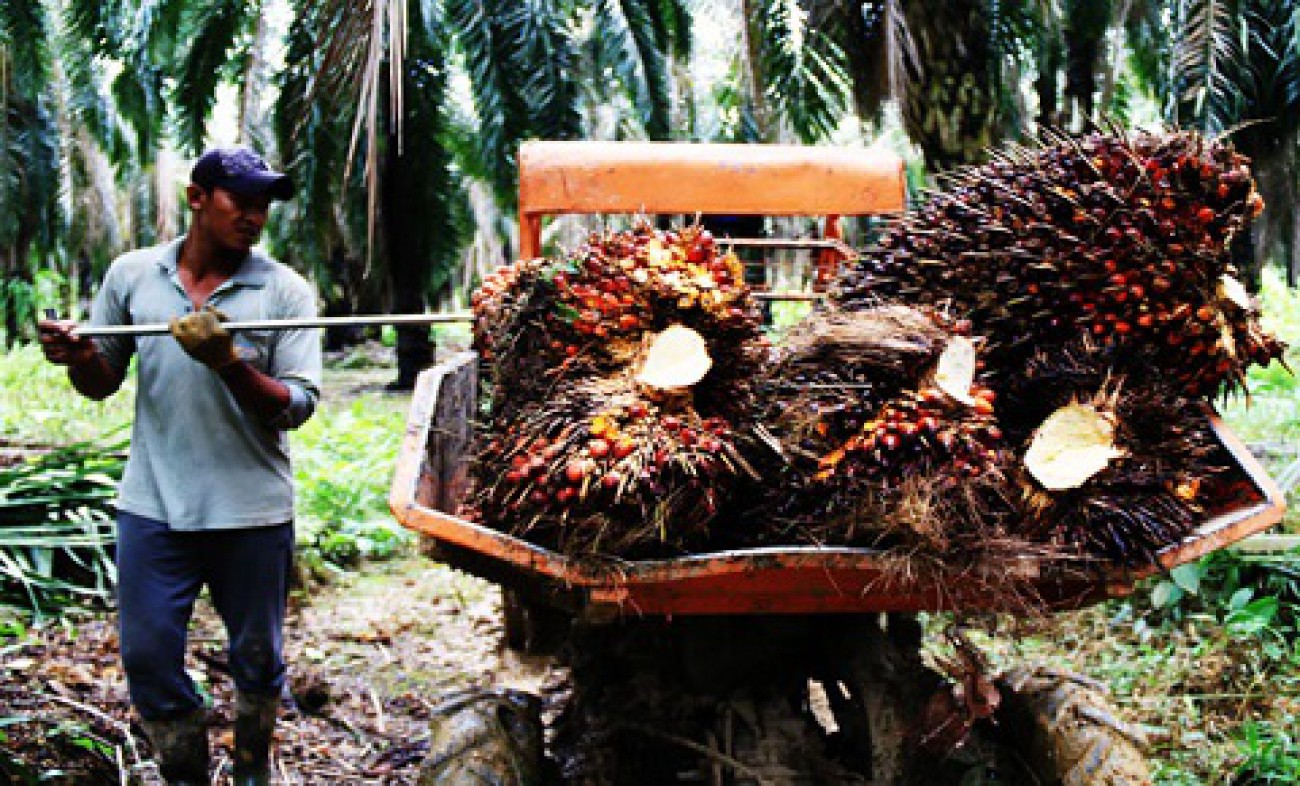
point(926, 429)
point(619, 376)
point(540, 321)
point(836, 369)
point(1119, 237)
point(602, 468)
point(1122, 470)
point(895, 440)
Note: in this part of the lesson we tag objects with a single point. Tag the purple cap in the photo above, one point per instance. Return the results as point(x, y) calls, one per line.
point(240, 170)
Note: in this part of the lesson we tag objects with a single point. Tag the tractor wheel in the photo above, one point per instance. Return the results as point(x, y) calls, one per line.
point(1065, 729)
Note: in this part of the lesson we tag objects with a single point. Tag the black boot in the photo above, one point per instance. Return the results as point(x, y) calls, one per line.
point(181, 745)
point(254, 728)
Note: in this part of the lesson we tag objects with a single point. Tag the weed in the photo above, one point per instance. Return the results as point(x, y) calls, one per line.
point(1271, 755)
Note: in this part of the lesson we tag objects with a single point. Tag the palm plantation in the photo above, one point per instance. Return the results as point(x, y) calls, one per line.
point(129, 89)
point(400, 120)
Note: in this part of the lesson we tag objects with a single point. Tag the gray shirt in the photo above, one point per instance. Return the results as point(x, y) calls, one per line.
point(197, 460)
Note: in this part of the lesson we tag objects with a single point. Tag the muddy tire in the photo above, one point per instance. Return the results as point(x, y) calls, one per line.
point(1066, 730)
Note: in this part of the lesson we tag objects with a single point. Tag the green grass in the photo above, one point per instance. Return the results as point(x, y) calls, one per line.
point(1270, 414)
point(38, 404)
point(1210, 673)
point(343, 457)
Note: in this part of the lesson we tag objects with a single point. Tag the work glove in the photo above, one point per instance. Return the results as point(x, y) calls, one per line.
point(204, 339)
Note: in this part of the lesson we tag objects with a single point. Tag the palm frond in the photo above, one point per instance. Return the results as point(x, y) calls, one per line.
point(323, 228)
point(24, 54)
point(1205, 53)
point(624, 38)
point(806, 72)
point(56, 526)
point(502, 115)
point(542, 53)
point(672, 25)
point(89, 106)
point(213, 36)
point(423, 244)
point(98, 26)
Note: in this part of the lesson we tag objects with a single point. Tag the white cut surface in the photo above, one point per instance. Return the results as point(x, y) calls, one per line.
point(955, 373)
point(1072, 445)
point(678, 358)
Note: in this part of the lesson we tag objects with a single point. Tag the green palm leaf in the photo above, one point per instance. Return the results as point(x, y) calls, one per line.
point(24, 37)
point(502, 114)
point(805, 71)
point(624, 39)
point(213, 35)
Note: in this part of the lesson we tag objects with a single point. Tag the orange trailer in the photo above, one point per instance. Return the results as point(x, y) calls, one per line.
point(652, 178)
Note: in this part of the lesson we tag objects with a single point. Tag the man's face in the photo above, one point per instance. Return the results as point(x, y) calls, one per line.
point(231, 221)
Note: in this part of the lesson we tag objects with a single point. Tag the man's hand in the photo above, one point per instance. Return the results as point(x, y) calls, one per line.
point(204, 339)
point(62, 346)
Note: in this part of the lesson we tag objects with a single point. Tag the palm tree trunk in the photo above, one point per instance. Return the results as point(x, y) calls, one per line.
point(254, 81)
point(952, 106)
point(408, 266)
point(1275, 229)
point(751, 15)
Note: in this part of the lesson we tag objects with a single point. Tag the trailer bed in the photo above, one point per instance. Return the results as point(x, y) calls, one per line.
point(432, 477)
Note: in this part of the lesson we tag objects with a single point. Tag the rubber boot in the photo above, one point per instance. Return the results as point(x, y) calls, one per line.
point(254, 728)
point(181, 745)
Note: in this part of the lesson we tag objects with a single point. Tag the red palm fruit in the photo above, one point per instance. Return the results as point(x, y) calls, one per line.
point(575, 471)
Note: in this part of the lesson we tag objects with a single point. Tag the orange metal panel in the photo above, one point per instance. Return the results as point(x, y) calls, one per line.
point(679, 177)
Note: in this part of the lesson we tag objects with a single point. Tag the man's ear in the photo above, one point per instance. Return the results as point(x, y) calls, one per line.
point(195, 196)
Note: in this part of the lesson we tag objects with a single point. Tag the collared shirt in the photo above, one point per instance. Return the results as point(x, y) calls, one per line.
point(197, 460)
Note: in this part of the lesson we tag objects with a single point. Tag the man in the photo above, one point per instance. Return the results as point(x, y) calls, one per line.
point(207, 494)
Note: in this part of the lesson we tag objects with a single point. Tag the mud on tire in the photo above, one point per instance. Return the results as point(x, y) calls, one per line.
point(1065, 727)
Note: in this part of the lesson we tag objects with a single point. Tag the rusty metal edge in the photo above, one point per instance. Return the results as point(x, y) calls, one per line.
point(1224, 529)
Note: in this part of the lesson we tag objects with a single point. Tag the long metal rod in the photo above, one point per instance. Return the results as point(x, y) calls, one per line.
point(285, 324)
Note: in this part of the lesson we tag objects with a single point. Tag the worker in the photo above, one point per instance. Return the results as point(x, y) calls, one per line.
point(207, 494)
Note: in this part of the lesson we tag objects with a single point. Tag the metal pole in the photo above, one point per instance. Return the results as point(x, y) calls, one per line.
point(285, 324)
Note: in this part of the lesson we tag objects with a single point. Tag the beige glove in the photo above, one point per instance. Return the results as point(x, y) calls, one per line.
point(204, 339)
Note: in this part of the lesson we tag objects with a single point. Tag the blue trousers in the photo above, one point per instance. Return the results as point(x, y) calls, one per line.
point(160, 573)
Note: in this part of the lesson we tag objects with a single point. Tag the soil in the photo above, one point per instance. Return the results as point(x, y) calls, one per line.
point(369, 658)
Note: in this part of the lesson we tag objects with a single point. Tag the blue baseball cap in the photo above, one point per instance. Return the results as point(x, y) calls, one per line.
point(240, 170)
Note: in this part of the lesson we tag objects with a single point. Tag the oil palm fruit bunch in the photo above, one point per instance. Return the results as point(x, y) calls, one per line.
point(835, 370)
point(1122, 237)
point(603, 468)
point(620, 374)
point(1108, 468)
point(538, 321)
point(895, 420)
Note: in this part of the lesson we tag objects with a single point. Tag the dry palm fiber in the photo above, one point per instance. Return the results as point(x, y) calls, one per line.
point(587, 449)
point(1122, 237)
point(1158, 477)
point(881, 445)
point(836, 368)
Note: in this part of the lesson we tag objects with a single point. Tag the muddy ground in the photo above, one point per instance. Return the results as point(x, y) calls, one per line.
point(371, 656)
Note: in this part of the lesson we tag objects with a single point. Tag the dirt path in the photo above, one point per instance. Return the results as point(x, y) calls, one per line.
point(370, 657)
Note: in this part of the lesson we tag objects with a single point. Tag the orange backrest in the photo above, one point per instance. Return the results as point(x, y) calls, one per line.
point(682, 177)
